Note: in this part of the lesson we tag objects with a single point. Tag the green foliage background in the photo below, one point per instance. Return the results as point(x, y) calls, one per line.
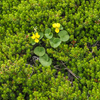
point(20, 80)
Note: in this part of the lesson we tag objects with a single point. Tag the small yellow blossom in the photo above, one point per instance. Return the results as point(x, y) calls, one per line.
point(36, 40)
point(33, 37)
point(36, 36)
point(56, 25)
point(57, 30)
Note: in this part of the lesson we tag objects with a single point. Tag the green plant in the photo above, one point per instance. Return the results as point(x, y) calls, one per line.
point(45, 60)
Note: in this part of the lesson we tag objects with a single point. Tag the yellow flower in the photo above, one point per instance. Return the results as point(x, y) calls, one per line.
point(36, 40)
point(33, 37)
point(57, 30)
point(36, 36)
point(56, 25)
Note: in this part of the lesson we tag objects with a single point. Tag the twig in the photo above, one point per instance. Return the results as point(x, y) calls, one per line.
point(56, 66)
point(70, 71)
point(95, 43)
point(29, 64)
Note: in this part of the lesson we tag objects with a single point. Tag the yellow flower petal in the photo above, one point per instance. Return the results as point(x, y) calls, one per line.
point(37, 36)
point(57, 30)
point(54, 25)
point(33, 37)
point(58, 25)
point(36, 40)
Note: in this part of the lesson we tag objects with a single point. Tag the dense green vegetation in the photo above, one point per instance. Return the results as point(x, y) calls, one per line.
point(75, 70)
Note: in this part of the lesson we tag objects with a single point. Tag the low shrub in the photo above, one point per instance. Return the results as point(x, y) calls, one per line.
point(74, 72)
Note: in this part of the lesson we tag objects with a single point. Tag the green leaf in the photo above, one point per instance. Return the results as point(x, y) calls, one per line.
point(61, 28)
point(45, 60)
point(40, 51)
point(49, 36)
point(41, 35)
point(63, 35)
point(32, 42)
point(47, 31)
point(55, 42)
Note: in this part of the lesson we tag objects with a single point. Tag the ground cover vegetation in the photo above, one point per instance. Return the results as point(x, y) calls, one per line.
point(68, 68)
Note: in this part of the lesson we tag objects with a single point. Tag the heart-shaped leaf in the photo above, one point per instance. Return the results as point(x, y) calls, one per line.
point(61, 28)
point(32, 42)
point(45, 60)
point(39, 51)
point(63, 35)
point(47, 31)
point(55, 42)
point(41, 35)
point(49, 36)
